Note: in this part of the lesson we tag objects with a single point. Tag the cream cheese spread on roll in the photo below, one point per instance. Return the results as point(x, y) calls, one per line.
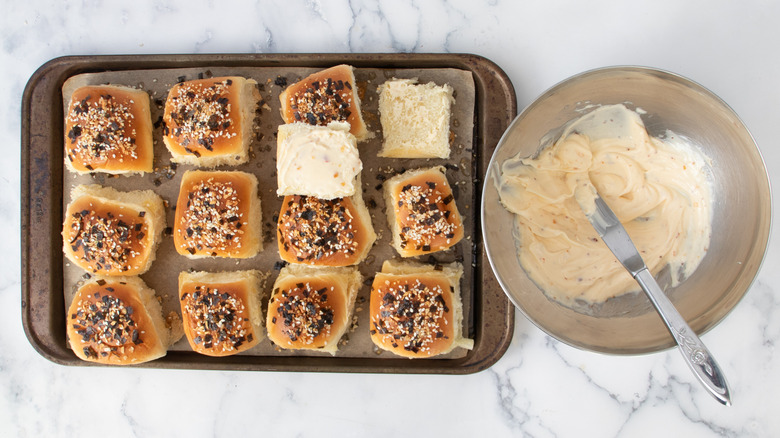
point(318, 161)
point(659, 190)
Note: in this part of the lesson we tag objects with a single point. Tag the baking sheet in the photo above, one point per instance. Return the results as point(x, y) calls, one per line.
point(42, 283)
point(163, 275)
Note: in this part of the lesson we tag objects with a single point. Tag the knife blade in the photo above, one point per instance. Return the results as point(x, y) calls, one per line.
point(615, 236)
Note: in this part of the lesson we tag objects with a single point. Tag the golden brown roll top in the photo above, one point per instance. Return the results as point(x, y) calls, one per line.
point(422, 212)
point(108, 129)
point(221, 311)
point(412, 316)
point(320, 232)
point(208, 122)
point(108, 232)
point(326, 96)
point(416, 309)
point(218, 215)
point(119, 321)
point(311, 308)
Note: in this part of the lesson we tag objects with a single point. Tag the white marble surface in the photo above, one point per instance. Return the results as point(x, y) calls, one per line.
point(540, 387)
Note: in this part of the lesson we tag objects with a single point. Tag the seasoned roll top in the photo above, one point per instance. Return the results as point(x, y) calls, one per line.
point(425, 212)
point(321, 232)
point(216, 317)
point(205, 119)
point(307, 313)
point(108, 129)
point(412, 315)
point(109, 239)
point(215, 214)
point(108, 232)
point(326, 96)
point(109, 322)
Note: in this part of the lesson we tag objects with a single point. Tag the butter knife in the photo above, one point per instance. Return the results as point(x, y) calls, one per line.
point(696, 354)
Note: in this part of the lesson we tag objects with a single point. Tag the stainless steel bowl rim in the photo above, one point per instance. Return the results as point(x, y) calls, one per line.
point(491, 165)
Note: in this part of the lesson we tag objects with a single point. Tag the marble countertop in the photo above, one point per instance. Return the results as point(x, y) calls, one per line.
point(540, 387)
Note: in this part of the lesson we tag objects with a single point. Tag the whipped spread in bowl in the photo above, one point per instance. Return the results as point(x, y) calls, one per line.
point(658, 188)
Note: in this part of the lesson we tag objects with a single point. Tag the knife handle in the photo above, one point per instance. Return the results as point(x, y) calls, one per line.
point(696, 354)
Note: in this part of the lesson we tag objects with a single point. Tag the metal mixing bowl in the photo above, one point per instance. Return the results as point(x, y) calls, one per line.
point(741, 209)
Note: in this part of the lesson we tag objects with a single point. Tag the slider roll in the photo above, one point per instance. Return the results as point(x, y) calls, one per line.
point(108, 129)
point(119, 321)
point(108, 232)
point(415, 119)
point(208, 122)
point(326, 96)
point(416, 309)
point(321, 232)
point(218, 215)
point(422, 212)
point(312, 308)
point(221, 311)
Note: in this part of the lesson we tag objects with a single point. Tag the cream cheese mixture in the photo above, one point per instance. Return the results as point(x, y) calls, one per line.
point(319, 162)
point(657, 188)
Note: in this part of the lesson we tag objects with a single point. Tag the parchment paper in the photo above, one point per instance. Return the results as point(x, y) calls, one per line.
point(163, 275)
